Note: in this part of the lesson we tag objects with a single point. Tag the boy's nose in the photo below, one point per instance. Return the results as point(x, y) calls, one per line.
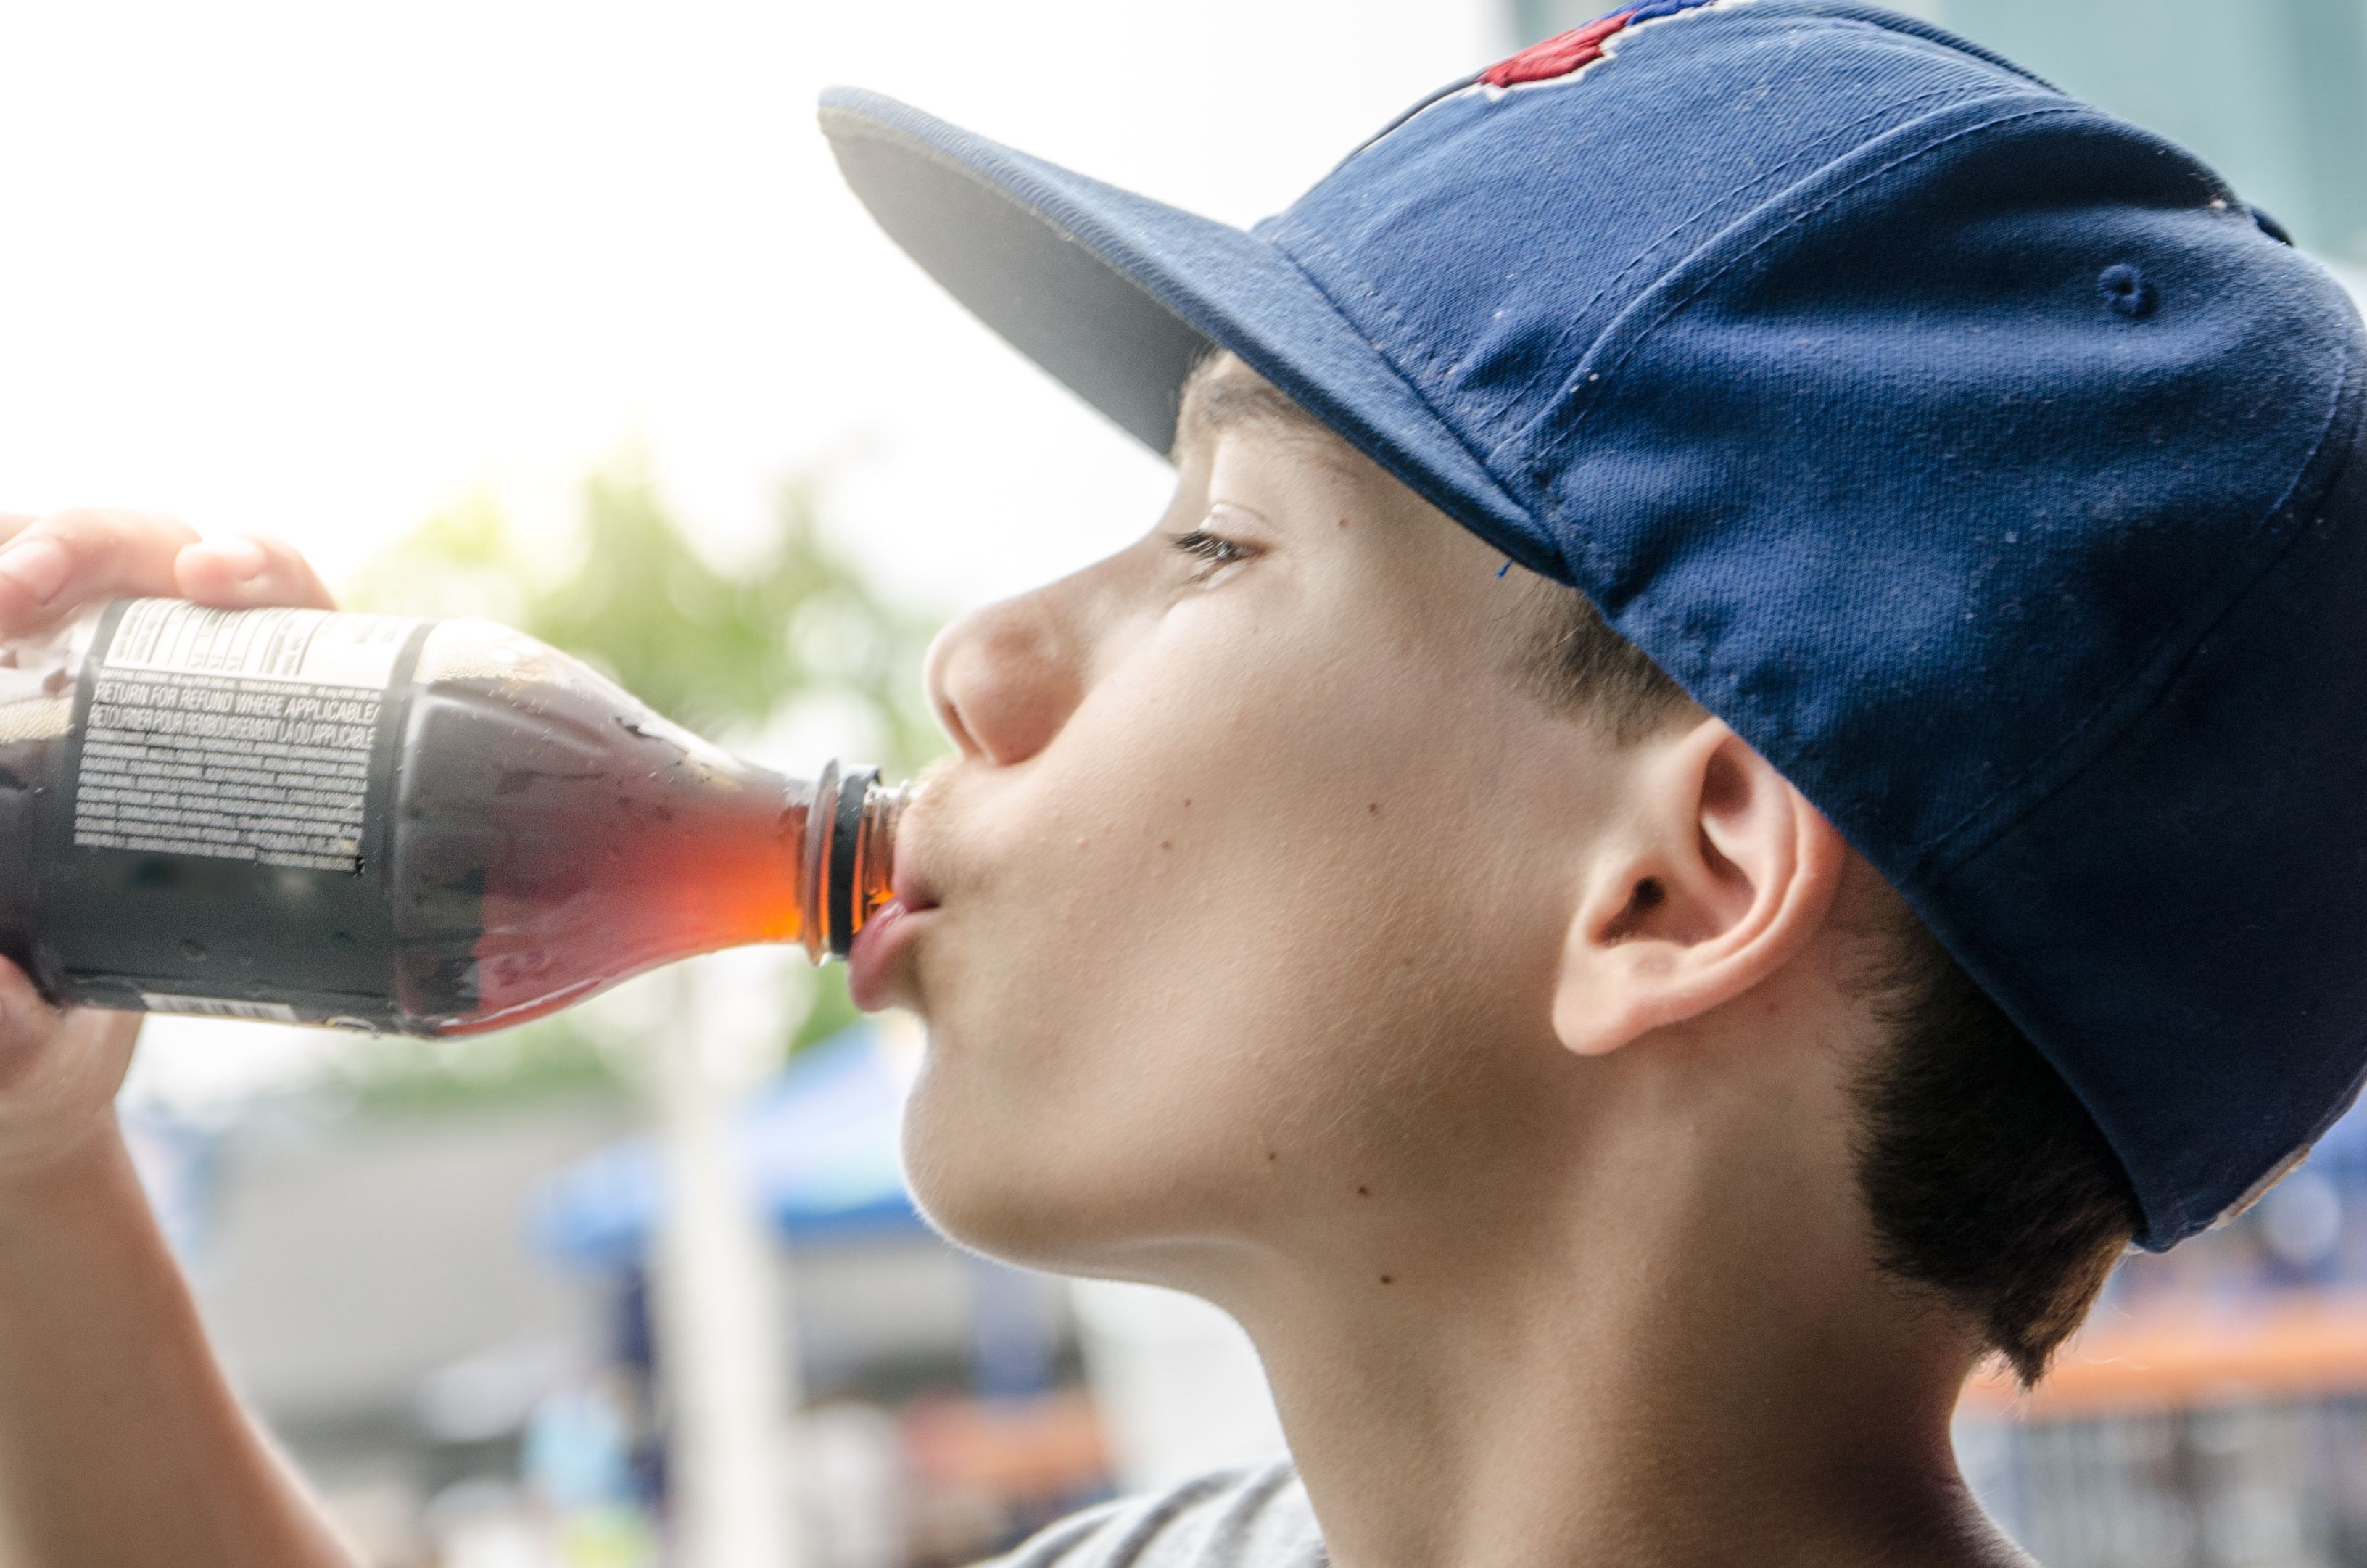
point(1003, 680)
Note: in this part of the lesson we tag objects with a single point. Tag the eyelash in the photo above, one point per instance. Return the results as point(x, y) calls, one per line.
point(1215, 549)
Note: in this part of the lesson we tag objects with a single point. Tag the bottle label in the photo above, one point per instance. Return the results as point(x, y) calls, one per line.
point(235, 735)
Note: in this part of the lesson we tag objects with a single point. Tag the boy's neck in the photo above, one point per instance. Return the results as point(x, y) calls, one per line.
point(1663, 1344)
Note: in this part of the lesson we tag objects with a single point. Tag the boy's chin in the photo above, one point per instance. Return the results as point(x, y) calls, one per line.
point(974, 1183)
point(1013, 1224)
point(1036, 1199)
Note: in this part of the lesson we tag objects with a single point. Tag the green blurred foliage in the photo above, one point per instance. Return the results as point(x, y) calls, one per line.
point(401, 1075)
point(723, 651)
point(726, 651)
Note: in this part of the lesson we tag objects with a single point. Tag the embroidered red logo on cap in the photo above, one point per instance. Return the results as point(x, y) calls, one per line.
point(1566, 54)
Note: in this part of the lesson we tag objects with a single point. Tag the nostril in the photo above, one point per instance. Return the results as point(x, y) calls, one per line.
point(2128, 292)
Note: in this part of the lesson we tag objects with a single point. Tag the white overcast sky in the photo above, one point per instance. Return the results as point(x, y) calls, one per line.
point(323, 267)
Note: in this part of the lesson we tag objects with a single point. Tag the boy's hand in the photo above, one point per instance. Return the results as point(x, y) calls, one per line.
point(60, 1071)
point(120, 1440)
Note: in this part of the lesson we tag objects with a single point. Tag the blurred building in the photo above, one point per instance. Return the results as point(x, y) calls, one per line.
point(368, 1286)
point(445, 1319)
point(2214, 1412)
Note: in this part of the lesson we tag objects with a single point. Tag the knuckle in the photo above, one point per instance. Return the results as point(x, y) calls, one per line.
point(160, 527)
point(88, 535)
point(285, 557)
point(69, 530)
point(80, 520)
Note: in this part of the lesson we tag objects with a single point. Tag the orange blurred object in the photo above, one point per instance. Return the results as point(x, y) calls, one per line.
point(1043, 1447)
point(2294, 1345)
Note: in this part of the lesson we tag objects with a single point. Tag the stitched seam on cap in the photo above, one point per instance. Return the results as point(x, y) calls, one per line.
point(1674, 307)
point(1780, 171)
point(1426, 356)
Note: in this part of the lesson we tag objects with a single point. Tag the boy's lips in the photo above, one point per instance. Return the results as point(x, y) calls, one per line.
point(878, 948)
point(873, 957)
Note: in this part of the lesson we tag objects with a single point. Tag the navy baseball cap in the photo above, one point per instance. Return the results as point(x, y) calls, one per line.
point(1982, 458)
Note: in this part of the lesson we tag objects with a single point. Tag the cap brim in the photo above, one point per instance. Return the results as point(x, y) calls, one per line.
point(1117, 296)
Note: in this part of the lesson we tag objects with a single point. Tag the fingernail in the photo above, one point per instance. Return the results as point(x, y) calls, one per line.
point(39, 566)
point(244, 558)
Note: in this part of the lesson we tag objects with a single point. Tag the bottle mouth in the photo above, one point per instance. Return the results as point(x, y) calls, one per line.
point(850, 856)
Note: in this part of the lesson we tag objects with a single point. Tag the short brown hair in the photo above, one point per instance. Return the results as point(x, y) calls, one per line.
point(1984, 1178)
point(1983, 1174)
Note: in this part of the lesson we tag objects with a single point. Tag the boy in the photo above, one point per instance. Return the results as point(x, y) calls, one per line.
point(1716, 788)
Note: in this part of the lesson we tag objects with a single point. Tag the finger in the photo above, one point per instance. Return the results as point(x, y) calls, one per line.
point(65, 558)
point(14, 523)
point(250, 569)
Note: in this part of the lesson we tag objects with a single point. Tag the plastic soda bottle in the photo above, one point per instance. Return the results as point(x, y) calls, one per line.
point(432, 827)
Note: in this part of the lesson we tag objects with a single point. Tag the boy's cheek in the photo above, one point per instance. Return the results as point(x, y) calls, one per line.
point(1200, 919)
point(1119, 1069)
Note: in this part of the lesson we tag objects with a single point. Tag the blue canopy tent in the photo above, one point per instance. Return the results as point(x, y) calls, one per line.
point(817, 1143)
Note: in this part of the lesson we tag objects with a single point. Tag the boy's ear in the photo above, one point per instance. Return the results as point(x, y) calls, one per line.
point(1720, 875)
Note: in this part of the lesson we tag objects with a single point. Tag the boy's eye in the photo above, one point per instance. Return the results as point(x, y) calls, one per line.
point(1217, 551)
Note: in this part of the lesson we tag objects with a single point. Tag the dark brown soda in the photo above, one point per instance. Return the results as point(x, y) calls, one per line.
point(547, 845)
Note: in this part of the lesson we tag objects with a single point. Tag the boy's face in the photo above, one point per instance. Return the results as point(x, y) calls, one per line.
point(1241, 904)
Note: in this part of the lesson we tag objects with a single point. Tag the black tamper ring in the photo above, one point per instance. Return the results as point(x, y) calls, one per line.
point(847, 832)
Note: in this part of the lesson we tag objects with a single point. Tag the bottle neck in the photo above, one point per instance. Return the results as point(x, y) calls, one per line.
point(849, 857)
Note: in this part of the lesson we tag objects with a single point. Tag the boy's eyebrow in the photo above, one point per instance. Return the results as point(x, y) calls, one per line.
point(1225, 395)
